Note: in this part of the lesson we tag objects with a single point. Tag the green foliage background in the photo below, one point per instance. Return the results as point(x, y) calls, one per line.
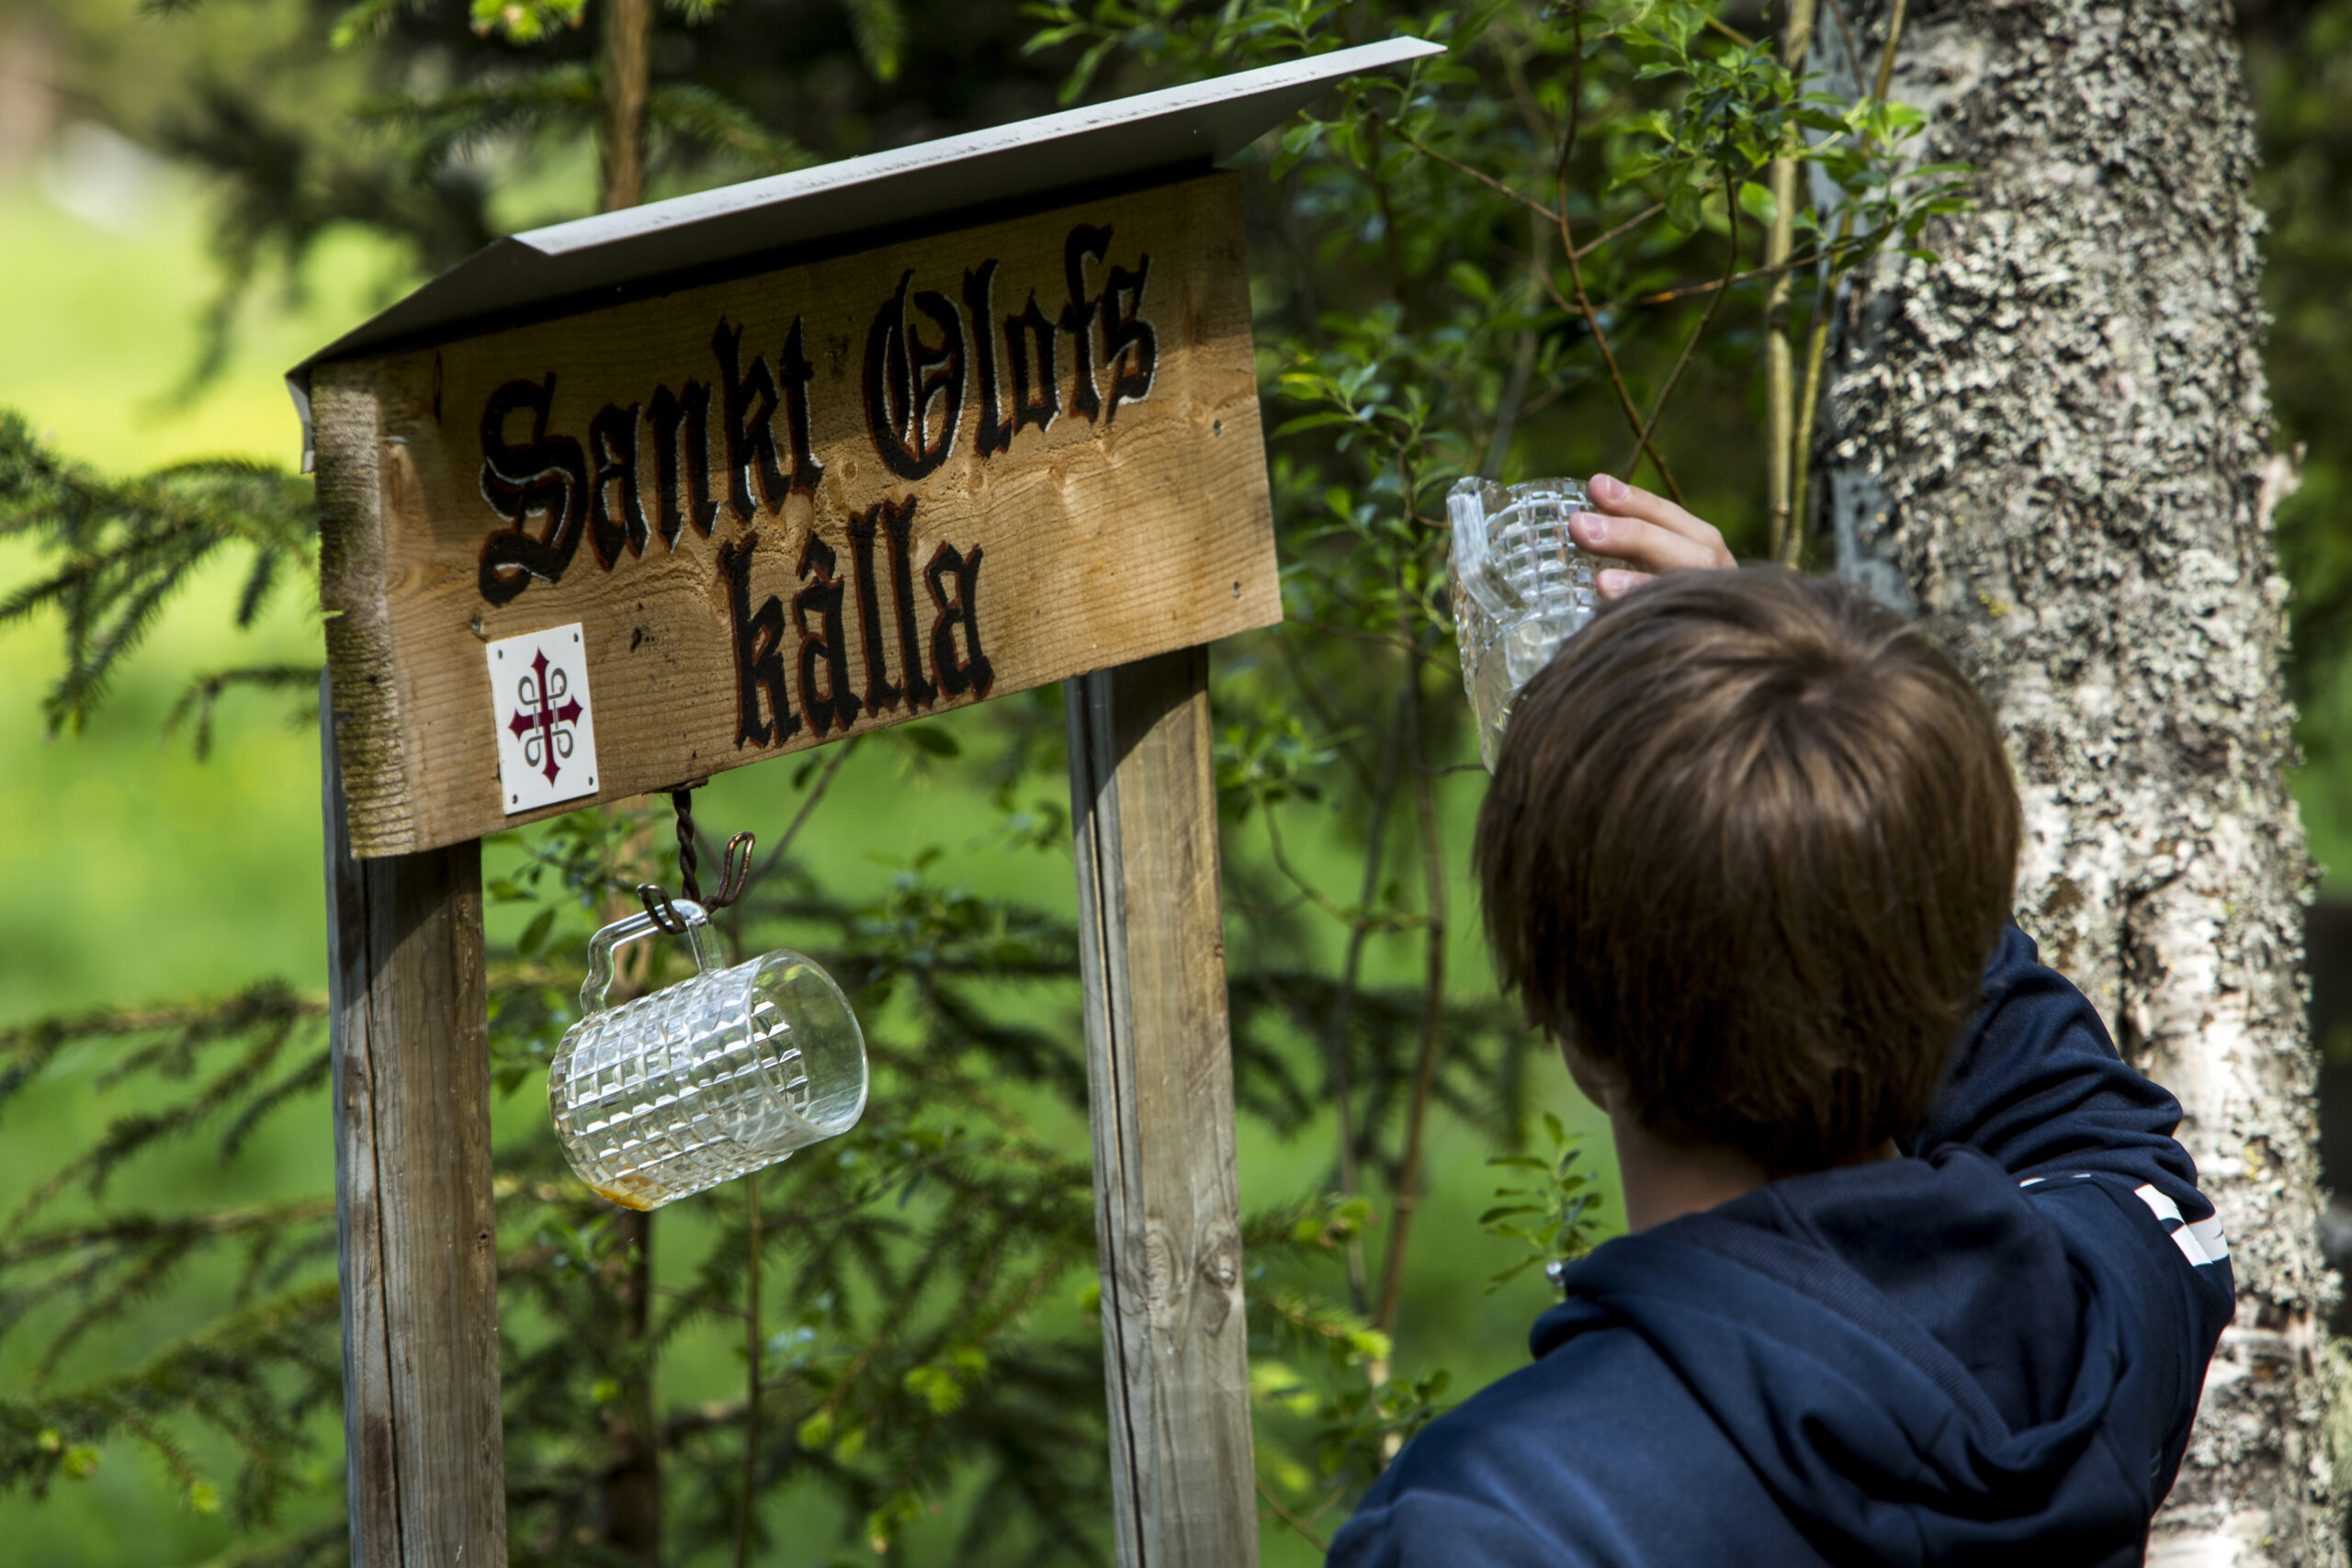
point(167, 1379)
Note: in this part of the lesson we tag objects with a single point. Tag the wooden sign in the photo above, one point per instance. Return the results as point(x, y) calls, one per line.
point(764, 513)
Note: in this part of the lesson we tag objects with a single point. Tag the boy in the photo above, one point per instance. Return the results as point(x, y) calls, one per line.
point(1749, 846)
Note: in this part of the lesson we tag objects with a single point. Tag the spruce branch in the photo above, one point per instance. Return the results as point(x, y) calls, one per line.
point(433, 127)
point(704, 119)
point(122, 548)
point(249, 1029)
point(197, 702)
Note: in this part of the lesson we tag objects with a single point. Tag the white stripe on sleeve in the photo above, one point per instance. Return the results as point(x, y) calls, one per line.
point(2201, 1242)
point(2208, 1237)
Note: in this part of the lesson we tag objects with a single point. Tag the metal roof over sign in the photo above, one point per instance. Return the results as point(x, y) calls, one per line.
point(1200, 124)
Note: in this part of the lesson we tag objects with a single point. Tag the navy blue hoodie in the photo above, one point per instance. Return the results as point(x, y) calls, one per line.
point(1994, 1342)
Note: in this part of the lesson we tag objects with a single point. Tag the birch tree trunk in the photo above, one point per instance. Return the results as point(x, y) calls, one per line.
point(2054, 445)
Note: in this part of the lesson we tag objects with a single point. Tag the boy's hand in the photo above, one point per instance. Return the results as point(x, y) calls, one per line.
point(1647, 532)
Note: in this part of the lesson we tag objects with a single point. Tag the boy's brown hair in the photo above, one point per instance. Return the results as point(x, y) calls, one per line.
point(1749, 845)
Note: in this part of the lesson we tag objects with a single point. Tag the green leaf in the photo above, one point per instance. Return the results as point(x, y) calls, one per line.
point(1313, 422)
point(1682, 206)
point(1757, 203)
point(1083, 76)
point(535, 935)
point(1473, 281)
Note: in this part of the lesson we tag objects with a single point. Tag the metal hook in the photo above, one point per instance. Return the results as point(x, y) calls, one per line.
point(734, 869)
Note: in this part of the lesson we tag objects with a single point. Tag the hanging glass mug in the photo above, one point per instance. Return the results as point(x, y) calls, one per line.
point(705, 1080)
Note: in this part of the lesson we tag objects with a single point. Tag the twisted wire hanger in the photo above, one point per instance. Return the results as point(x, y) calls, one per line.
point(734, 870)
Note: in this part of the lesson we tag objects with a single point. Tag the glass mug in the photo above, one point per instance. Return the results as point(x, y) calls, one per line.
point(1520, 588)
point(705, 1080)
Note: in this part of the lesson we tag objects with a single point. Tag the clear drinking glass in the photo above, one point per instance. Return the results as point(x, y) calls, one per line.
point(1520, 588)
point(707, 1079)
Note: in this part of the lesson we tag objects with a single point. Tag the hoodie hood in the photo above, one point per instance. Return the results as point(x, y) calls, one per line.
point(1907, 1355)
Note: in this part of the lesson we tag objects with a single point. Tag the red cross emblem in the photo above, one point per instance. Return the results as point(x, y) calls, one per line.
point(543, 726)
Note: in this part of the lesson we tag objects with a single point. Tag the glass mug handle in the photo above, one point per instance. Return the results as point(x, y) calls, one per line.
point(699, 936)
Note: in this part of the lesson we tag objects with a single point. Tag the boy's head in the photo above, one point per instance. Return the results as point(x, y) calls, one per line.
point(1748, 846)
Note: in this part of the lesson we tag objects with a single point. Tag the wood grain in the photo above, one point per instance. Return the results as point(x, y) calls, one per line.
point(1160, 1087)
point(417, 1259)
point(1139, 530)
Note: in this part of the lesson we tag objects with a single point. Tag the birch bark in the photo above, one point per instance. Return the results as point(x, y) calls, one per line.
point(2053, 446)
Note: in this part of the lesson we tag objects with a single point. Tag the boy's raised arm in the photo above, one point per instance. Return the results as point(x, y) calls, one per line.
point(2037, 1085)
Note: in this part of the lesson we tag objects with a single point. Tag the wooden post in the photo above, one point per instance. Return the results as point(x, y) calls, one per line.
point(418, 1257)
point(1159, 1074)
